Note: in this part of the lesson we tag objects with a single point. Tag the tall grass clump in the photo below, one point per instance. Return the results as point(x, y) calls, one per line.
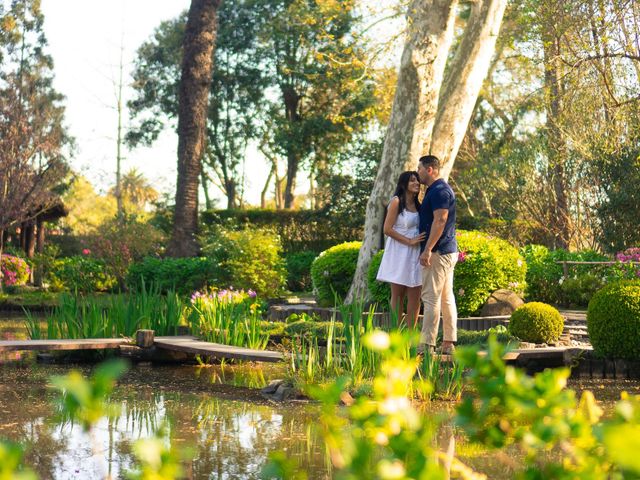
point(77, 316)
point(230, 317)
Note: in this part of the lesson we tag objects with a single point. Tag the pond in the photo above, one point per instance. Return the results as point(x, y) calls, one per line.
point(215, 412)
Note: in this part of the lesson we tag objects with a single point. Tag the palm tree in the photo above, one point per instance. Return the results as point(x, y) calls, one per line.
point(197, 67)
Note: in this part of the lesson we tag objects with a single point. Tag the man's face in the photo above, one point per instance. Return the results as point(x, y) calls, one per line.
point(425, 174)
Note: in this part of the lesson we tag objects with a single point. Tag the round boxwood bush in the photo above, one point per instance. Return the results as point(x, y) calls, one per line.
point(380, 291)
point(613, 320)
point(536, 322)
point(332, 272)
point(485, 264)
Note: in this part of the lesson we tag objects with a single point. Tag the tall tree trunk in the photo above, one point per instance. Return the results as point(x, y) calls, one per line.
point(195, 81)
point(30, 240)
point(40, 238)
point(430, 24)
point(291, 104)
point(556, 148)
point(464, 80)
point(263, 193)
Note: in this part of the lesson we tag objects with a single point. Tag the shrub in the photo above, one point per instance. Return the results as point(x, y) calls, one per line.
point(485, 264)
point(613, 320)
point(332, 272)
point(248, 259)
point(545, 277)
point(14, 270)
point(120, 242)
point(578, 290)
point(184, 275)
point(380, 291)
point(536, 322)
point(299, 230)
point(299, 270)
point(82, 274)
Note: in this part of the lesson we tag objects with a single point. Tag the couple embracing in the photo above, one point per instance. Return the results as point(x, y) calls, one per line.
point(421, 252)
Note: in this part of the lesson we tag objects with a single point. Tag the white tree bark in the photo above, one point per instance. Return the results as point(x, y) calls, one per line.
point(426, 118)
point(429, 38)
point(464, 80)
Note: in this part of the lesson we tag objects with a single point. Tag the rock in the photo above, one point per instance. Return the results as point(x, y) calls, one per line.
point(501, 302)
point(272, 387)
point(279, 391)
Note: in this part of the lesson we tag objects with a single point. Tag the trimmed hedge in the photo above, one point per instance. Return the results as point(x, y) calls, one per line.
point(485, 264)
point(332, 272)
point(299, 230)
point(380, 291)
point(536, 322)
point(184, 275)
point(613, 320)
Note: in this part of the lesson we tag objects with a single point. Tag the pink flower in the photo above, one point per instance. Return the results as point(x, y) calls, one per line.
point(462, 256)
point(86, 251)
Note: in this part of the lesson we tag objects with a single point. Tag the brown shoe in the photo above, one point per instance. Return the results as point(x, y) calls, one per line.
point(448, 349)
point(425, 348)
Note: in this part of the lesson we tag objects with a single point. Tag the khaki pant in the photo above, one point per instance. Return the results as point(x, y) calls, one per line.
point(437, 295)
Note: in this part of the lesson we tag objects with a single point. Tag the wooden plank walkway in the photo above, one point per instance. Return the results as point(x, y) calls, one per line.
point(45, 345)
point(216, 350)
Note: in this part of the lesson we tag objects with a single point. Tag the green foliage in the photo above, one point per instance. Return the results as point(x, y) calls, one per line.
point(538, 414)
point(11, 463)
point(613, 320)
point(545, 277)
point(82, 274)
point(121, 241)
point(318, 330)
point(185, 275)
point(332, 272)
point(118, 315)
point(619, 213)
point(299, 230)
point(485, 265)
point(248, 259)
point(229, 317)
point(299, 270)
point(577, 291)
point(85, 401)
point(481, 338)
point(13, 270)
point(380, 291)
point(536, 322)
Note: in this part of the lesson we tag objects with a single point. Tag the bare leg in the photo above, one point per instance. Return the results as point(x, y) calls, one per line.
point(398, 292)
point(413, 306)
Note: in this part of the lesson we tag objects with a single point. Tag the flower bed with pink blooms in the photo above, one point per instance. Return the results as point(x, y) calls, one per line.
point(14, 270)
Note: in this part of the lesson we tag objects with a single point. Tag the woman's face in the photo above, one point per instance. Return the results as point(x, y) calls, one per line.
point(414, 184)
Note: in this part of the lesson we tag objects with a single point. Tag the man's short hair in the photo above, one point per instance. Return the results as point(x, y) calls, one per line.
point(430, 161)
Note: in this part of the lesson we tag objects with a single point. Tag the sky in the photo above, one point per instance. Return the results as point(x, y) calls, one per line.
point(85, 39)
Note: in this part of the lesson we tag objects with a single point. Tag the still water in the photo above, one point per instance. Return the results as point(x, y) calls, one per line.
point(215, 413)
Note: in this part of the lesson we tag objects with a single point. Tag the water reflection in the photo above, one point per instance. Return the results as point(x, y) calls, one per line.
point(230, 430)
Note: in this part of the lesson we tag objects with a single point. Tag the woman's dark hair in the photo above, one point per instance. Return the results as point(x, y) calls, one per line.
point(401, 188)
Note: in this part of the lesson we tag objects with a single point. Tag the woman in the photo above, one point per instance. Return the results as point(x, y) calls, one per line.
point(400, 264)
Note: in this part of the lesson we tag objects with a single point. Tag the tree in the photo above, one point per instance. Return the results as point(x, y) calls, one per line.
point(234, 102)
point(195, 80)
point(32, 135)
point(425, 117)
point(319, 70)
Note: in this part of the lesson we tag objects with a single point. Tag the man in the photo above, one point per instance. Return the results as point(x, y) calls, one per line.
point(439, 254)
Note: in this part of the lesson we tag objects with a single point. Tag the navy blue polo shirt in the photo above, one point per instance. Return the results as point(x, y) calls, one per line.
point(439, 195)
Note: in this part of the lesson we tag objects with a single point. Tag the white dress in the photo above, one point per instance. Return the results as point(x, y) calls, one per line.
point(401, 263)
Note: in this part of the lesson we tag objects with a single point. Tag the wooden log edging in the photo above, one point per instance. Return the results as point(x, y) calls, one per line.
point(216, 350)
point(78, 344)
